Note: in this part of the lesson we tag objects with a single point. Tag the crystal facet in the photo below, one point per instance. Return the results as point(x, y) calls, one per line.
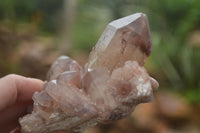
point(113, 82)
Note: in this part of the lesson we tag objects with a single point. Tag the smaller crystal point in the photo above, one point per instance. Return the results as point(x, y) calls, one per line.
point(62, 64)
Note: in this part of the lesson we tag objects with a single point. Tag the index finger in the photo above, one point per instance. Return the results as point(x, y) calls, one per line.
point(15, 88)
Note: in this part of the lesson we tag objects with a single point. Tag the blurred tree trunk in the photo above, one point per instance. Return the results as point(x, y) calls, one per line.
point(68, 17)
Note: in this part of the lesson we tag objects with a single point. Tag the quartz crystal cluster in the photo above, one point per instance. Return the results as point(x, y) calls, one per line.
point(108, 88)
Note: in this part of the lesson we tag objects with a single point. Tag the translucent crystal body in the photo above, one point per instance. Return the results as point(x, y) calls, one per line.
point(112, 83)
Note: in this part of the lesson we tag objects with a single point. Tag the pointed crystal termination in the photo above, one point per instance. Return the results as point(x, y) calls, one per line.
point(113, 82)
point(124, 39)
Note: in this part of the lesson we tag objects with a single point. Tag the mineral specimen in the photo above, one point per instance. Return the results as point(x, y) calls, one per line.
point(112, 83)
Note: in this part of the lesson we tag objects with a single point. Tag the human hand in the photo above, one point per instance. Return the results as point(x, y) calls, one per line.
point(15, 98)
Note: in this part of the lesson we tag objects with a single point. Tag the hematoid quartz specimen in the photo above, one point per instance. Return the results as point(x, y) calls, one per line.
point(112, 83)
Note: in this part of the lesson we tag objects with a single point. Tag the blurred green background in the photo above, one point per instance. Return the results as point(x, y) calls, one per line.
point(34, 33)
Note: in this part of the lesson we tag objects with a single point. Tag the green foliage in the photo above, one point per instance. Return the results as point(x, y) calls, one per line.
point(44, 13)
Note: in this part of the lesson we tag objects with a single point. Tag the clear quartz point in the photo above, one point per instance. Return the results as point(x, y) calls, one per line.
point(124, 39)
point(113, 82)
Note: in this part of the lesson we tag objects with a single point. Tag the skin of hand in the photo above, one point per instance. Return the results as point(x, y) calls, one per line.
point(15, 99)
